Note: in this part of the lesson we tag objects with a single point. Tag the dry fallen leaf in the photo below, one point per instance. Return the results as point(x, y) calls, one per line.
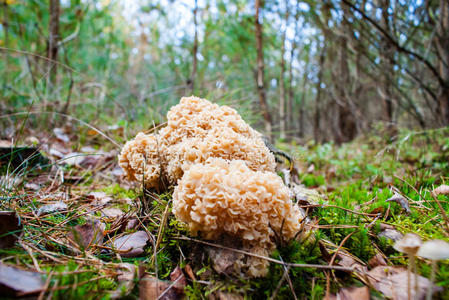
point(53, 207)
point(347, 260)
point(131, 245)
point(377, 260)
point(18, 282)
point(151, 288)
point(10, 229)
point(189, 272)
point(73, 159)
point(392, 282)
point(391, 234)
point(127, 273)
point(89, 234)
point(112, 212)
point(99, 197)
point(178, 279)
point(352, 293)
point(225, 296)
point(61, 135)
point(441, 190)
point(223, 260)
point(398, 198)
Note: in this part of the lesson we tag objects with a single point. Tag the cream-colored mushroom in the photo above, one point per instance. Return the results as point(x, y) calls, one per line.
point(434, 250)
point(410, 245)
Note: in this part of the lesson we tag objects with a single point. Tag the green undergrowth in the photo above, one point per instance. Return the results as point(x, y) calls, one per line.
point(356, 181)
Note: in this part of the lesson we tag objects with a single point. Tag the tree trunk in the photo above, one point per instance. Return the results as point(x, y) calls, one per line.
point(291, 92)
point(282, 79)
point(303, 100)
point(346, 129)
point(6, 42)
point(53, 39)
point(387, 52)
point(443, 63)
point(317, 121)
point(191, 81)
point(260, 80)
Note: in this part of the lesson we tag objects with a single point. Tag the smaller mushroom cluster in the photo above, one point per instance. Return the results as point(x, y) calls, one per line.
point(224, 178)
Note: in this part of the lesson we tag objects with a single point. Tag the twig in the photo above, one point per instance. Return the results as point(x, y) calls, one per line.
point(28, 249)
point(47, 283)
point(443, 212)
point(64, 287)
point(335, 206)
point(169, 287)
point(294, 265)
point(161, 229)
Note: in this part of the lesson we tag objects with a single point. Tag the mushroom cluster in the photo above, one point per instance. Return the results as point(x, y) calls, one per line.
point(196, 130)
point(226, 197)
point(224, 178)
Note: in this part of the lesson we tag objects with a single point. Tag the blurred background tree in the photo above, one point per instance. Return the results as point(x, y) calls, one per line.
point(297, 70)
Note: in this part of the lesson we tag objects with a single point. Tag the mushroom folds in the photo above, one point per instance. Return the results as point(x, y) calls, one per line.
point(196, 130)
point(226, 197)
point(224, 177)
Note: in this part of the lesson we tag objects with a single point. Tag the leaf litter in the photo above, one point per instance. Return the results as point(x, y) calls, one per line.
point(90, 230)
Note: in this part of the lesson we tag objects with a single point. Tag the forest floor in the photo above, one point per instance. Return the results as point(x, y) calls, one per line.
point(81, 231)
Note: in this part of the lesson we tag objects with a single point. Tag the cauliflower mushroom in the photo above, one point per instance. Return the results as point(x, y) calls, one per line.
point(140, 158)
point(223, 197)
point(196, 130)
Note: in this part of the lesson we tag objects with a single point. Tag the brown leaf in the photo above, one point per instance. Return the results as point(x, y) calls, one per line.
point(112, 212)
point(99, 197)
point(10, 228)
point(61, 135)
point(392, 282)
point(131, 245)
point(377, 260)
point(73, 159)
point(223, 260)
point(189, 271)
point(178, 277)
point(441, 190)
point(89, 234)
point(52, 207)
point(127, 273)
point(398, 198)
point(352, 293)
point(219, 295)
point(346, 260)
point(151, 288)
point(18, 282)
point(391, 234)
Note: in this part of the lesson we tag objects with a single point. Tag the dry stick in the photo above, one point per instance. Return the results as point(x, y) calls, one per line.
point(274, 295)
point(46, 254)
point(295, 265)
point(443, 212)
point(334, 226)
point(333, 259)
point(161, 229)
point(47, 283)
point(169, 287)
point(335, 206)
point(405, 181)
point(75, 285)
point(28, 249)
point(289, 281)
